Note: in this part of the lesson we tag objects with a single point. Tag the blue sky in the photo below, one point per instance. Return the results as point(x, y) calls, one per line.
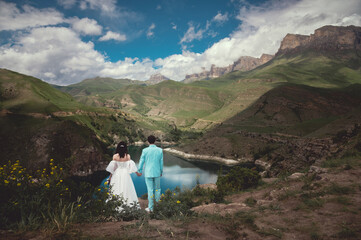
point(66, 41)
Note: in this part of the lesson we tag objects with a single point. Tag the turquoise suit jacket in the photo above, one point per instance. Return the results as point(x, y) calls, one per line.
point(152, 160)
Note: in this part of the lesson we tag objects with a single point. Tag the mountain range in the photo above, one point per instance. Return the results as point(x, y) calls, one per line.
point(244, 64)
point(279, 109)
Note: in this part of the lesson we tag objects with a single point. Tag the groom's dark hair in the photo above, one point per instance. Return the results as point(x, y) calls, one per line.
point(151, 139)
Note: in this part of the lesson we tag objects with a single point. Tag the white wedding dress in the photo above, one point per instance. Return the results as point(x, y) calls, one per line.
point(121, 182)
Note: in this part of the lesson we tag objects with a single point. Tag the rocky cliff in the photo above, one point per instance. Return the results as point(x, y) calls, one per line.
point(156, 78)
point(327, 38)
point(245, 63)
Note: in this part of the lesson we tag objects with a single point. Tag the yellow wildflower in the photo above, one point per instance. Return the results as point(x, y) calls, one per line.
point(79, 205)
point(178, 201)
point(47, 185)
point(66, 189)
point(61, 180)
point(6, 181)
point(19, 184)
point(98, 189)
point(51, 173)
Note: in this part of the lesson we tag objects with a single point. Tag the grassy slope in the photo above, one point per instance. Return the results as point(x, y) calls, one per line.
point(33, 111)
point(202, 104)
point(31, 95)
point(96, 85)
point(312, 69)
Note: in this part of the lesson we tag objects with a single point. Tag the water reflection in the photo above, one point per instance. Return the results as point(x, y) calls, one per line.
point(176, 172)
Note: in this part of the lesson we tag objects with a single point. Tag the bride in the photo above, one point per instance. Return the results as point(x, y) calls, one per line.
point(120, 180)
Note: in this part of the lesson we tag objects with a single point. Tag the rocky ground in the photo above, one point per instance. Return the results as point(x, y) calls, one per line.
point(323, 203)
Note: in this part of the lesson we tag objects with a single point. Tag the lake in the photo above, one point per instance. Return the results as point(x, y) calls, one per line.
point(176, 172)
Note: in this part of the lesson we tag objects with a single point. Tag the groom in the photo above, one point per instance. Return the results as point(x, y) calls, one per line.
point(152, 159)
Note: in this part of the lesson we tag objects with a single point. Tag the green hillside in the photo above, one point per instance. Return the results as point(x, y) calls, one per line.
point(94, 86)
point(204, 104)
point(41, 122)
point(289, 127)
point(25, 94)
point(312, 69)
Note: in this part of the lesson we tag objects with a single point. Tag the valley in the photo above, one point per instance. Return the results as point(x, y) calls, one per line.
point(255, 109)
point(309, 92)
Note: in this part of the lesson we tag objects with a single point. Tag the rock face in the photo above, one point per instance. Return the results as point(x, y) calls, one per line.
point(242, 64)
point(327, 38)
point(156, 78)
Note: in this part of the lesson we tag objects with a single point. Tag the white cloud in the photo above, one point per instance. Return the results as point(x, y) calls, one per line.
point(54, 54)
point(197, 33)
point(192, 34)
point(264, 27)
point(67, 4)
point(12, 18)
point(150, 32)
point(221, 18)
point(173, 26)
point(262, 30)
point(105, 6)
point(132, 68)
point(58, 55)
point(159, 7)
point(86, 26)
point(113, 36)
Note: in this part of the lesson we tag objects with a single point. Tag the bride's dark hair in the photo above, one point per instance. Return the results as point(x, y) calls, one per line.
point(122, 149)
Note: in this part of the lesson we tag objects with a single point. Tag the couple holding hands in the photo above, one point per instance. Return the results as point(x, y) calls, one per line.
point(122, 166)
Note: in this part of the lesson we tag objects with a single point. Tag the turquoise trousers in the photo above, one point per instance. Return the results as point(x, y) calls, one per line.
point(153, 186)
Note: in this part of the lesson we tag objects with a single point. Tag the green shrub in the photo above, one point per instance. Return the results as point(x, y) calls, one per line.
point(207, 195)
point(238, 179)
point(172, 204)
